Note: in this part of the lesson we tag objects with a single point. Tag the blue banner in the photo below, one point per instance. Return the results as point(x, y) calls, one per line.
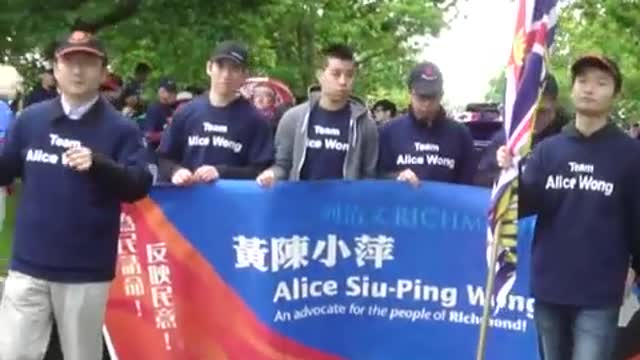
point(352, 270)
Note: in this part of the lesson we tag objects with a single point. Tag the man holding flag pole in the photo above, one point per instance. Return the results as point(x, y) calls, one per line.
point(585, 237)
point(586, 207)
point(533, 35)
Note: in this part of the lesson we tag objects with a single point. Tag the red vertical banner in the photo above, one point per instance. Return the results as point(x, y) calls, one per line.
point(141, 317)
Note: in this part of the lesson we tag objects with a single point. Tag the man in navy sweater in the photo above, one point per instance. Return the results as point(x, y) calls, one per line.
point(159, 113)
point(425, 144)
point(550, 119)
point(44, 91)
point(583, 186)
point(78, 159)
point(218, 135)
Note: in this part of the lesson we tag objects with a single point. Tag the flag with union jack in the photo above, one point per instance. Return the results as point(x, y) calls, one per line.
point(534, 32)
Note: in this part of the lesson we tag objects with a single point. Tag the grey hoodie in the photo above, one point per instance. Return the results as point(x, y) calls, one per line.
point(292, 137)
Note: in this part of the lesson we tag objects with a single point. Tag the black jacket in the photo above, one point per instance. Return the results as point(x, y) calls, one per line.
point(488, 169)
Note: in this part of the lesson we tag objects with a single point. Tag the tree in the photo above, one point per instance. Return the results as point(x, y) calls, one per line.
point(140, 29)
point(176, 38)
point(497, 88)
point(609, 27)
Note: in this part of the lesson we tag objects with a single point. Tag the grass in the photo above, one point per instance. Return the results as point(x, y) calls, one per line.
point(6, 234)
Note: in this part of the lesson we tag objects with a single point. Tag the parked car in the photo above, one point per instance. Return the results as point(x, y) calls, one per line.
point(484, 122)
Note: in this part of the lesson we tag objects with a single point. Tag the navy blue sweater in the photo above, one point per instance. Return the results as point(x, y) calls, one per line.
point(235, 139)
point(328, 133)
point(68, 222)
point(39, 94)
point(156, 118)
point(440, 151)
point(585, 191)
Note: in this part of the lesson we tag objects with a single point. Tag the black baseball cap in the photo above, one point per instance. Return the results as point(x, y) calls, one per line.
point(81, 41)
point(425, 79)
point(600, 62)
point(169, 85)
point(231, 50)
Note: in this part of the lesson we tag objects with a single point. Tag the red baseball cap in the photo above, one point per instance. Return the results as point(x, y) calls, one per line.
point(599, 62)
point(81, 41)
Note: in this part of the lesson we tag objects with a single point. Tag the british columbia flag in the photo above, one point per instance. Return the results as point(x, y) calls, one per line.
point(534, 32)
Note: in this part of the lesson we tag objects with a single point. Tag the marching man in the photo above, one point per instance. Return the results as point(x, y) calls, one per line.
point(78, 159)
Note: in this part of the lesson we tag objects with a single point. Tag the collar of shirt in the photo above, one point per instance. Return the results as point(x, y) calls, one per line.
point(79, 111)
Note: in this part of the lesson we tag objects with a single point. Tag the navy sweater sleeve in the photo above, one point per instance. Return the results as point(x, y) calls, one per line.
point(488, 169)
point(11, 160)
point(127, 176)
point(153, 125)
point(154, 118)
point(171, 147)
point(634, 215)
point(29, 100)
point(467, 169)
point(531, 183)
point(260, 154)
point(34, 97)
point(386, 162)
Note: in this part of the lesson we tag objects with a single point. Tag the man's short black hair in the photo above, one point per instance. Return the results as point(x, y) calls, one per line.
point(385, 105)
point(337, 51)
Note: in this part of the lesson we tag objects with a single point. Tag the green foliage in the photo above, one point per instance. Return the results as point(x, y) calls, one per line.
point(176, 37)
point(608, 27)
point(6, 233)
point(398, 96)
point(497, 88)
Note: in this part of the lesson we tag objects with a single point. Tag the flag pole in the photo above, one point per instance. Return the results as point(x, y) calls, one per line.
point(486, 312)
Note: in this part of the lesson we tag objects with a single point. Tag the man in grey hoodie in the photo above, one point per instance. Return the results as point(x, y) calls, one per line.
point(331, 136)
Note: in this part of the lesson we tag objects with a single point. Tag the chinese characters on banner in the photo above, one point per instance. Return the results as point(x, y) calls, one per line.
point(132, 265)
point(294, 252)
point(129, 262)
